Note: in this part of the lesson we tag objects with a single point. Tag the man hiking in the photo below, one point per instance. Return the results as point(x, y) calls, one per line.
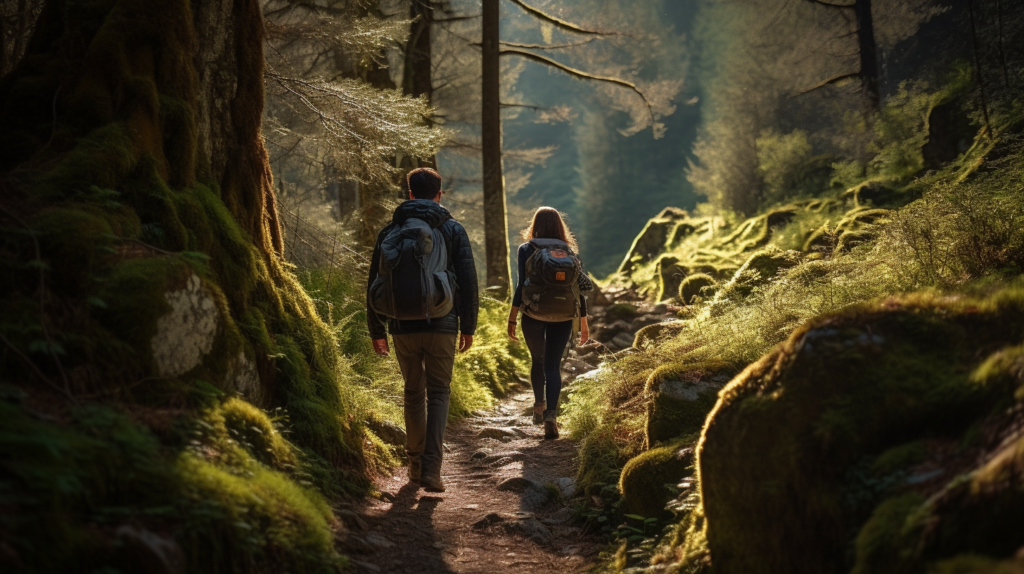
point(422, 282)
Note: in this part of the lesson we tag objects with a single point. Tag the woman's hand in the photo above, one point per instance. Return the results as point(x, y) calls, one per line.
point(584, 331)
point(513, 315)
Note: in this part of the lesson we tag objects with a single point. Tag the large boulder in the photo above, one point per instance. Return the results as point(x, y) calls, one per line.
point(887, 419)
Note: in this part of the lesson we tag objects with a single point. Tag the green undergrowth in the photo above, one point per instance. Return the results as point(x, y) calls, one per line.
point(951, 238)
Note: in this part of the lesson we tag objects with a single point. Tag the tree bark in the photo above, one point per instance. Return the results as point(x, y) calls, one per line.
point(417, 80)
point(868, 55)
point(495, 220)
point(132, 161)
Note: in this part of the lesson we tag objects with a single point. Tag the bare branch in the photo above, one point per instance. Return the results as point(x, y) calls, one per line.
point(545, 46)
point(829, 81)
point(527, 106)
point(832, 4)
point(580, 74)
point(558, 22)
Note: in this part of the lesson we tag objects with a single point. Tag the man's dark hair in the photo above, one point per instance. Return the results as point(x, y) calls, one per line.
point(424, 183)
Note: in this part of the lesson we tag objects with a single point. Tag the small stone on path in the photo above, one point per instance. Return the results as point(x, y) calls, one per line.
point(487, 520)
point(518, 484)
point(353, 520)
point(357, 545)
point(378, 541)
point(495, 432)
point(364, 566)
point(531, 528)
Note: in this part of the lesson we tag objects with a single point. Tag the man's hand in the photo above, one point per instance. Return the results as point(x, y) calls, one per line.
point(512, 331)
point(465, 342)
point(584, 331)
point(380, 346)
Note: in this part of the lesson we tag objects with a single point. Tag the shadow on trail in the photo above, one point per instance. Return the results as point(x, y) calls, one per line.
point(408, 524)
point(546, 463)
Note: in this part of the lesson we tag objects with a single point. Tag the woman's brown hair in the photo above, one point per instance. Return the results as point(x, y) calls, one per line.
point(548, 224)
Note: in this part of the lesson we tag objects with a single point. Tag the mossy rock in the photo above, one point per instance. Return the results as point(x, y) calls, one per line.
point(683, 397)
point(760, 269)
point(621, 312)
point(646, 479)
point(841, 393)
point(651, 334)
point(252, 428)
point(653, 239)
point(693, 286)
point(670, 275)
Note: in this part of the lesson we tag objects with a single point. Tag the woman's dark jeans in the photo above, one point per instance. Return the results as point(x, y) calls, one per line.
point(546, 342)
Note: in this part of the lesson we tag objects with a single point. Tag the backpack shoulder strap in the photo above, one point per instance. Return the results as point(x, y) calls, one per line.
point(544, 243)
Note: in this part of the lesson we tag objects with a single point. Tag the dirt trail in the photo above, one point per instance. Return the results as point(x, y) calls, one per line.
point(503, 508)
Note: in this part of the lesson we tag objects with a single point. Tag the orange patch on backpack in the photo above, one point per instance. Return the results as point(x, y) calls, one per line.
point(560, 276)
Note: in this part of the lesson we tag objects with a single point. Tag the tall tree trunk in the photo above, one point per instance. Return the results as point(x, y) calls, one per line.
point(868, 55)
point(416, 73)
point(131, 155)
point(495, 221)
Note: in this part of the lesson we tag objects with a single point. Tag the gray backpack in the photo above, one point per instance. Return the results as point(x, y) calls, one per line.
point(413, 282)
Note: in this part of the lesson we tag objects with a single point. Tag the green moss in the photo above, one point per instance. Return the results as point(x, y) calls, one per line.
point(621, 312)
point(881, 545)
point(134, 294)
point(69, 487)
point(862, 381)
point(251, 427)
point(694, 285)
point(72, 242)
point(651, 334)
point(669, 275)
point(683, 395)
point(599, 463)
point(898, 458)
point(648, 480)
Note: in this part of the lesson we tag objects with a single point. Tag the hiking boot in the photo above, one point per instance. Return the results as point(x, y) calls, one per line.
point(432, 483)
point(538, 413)
point(550, 425)
point(415, 469)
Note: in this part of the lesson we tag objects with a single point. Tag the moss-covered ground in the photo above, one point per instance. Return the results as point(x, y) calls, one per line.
point(868, 344)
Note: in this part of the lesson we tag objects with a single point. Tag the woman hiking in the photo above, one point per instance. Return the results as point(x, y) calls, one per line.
point(550, 291)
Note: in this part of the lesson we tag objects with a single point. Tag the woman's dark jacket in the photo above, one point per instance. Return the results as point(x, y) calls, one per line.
point(460, 260)
point(525, 251)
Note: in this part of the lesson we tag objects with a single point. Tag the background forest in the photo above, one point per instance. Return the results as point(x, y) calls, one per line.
point(804, 217)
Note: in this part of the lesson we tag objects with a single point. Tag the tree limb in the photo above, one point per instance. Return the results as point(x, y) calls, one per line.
point(558, 22)
point(531, 107)
point(832, 4)
point(832, 80)
point(579, 73)
point(546, 46)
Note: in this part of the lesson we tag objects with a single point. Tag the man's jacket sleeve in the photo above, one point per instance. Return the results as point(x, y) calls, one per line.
point(465, 276)
point(374, 322)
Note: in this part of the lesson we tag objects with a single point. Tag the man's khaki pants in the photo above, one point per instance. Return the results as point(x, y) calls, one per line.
point(426, 360)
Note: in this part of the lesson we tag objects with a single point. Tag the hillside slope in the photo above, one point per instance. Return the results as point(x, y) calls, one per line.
point(841, 391)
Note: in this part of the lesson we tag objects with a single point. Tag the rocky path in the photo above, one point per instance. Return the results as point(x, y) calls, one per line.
point(505, 507)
